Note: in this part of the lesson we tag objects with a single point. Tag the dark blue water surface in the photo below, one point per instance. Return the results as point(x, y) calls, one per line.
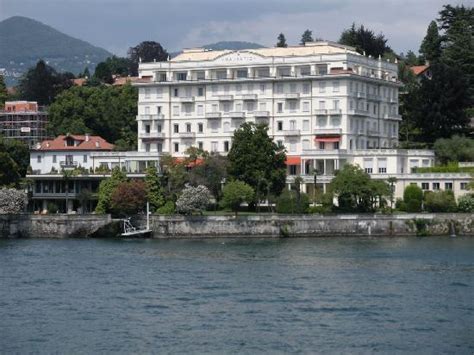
point(348, 295)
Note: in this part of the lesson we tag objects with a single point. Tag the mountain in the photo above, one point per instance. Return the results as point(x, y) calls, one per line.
point(23, 41)
point(233, 45)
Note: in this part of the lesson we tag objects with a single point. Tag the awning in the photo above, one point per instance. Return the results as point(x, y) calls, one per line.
point(190, 164)
point(327, 139)
point(293, 160)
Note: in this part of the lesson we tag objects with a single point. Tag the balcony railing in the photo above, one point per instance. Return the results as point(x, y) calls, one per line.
point(292, 96)
point(152, 134)
point(186, 99)
point(187, 135)
point(335, 131)
point(373, 132)
point(225, 97)
point(249, 97)
point(320, 112)
point(357, 112)
point(392, 116)
point(158, 116)
point(373, 97)
point(68, 164)
point(261, 114)
point(292, 132)
point(335, 112)
point(360, 95)
point(213, 115)
point(237, 114)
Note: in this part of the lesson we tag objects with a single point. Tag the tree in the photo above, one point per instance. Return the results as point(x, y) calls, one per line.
point(9, 171)
point(210, 172)
point(412, 198)
point(356, 191)
point(108, 111)
point(254, 157)
point(18, 151)
point(12, 200)
point(411, 59)
point(193, 199)
point(3, 92)
point(128, 198)
point(440, 201)
point(307, 36)
point(292, 201)
point(365, 41)
point(106, 189)
point(466, 203)
point(174, 177)
point(281, 41)
point(454, 149)
point(235, 193)
point(147, 51)
point(42, 83)
point(437, 106)
point(154, 189)
point(430, 48)
point(103, 73)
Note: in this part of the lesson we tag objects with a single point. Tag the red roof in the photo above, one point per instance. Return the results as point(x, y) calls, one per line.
point(80, 142)
point(419, 69)
point(119, 81)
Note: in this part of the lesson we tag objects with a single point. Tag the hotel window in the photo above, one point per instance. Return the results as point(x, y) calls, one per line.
point(322, 86)
point(200, 75)
point(176, 147)
point(214, 88)
point(200, 145)
point(226, 89)
point(54, 158)
point(279, 125)
point(147, 110)
point(293, 125)
point(161, 76)
point(215, 107)
point(226, 107)
point(158, 110)
point(242, 73)
point(368, 166)
point(214, 126)
point(176, 128)
point(182, 76)
point(200, 91)
point(84, 158)
point(322, 105)
point(306, 88)
point(305, 70)
point(226, 146)
point(159, 147)
point(305, 125)
point(147, 147)
point(262, 88)
point(292, 106)
point(464, 185)
point(351, 88)
point(262, 106)
point(280, 107)
point(335, 104)
point(292, 169)
point(200, 127)
point(159, 92)
point(306, 144)
point(200, 110)
point(158, 128)
point(147, 128)
point(221, 74)
point(448, 185)
point(147, 93)
point(335, 145)
point(382, 166)
point(214, 146)
point(306, 106)
point(38, 158)
point(436, 186)
point(321, 145)
point(335, 86)
point(238, 87)
point(263, 72)
point(280, 144)
point(175, 92)
point(250, 106)
point(238, 107)
point(279, 88)
point(226, 126)
point(292, 147)
point(249, 88)
point(188, 127)
point(425, 185)
point(293, 88)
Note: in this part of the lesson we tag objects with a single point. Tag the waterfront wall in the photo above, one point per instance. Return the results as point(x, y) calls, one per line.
point(51, 226)
point(311, 225)
point(84, 226)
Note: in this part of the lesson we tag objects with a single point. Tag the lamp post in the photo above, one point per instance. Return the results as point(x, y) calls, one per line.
point(315, 181)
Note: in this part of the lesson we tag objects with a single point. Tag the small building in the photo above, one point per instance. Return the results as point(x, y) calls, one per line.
point(24, 120)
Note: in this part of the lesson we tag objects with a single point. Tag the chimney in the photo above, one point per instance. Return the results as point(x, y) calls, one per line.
point(47, 144)
point(88, 137)
point(97, 144)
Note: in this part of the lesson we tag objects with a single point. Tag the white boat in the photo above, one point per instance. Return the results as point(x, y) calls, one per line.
point(129, 231)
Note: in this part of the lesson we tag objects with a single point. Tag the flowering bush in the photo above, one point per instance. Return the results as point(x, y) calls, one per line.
point(12, 201)
point(193, 199)
point(466, 203)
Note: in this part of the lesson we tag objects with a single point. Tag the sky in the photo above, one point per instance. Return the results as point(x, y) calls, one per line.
point(117, 25)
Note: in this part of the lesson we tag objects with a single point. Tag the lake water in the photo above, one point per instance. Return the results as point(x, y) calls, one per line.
point(349, 295)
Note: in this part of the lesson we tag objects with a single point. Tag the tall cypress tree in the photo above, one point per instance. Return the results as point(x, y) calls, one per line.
point(307, 36)
point(281, 41)
point(430, 48)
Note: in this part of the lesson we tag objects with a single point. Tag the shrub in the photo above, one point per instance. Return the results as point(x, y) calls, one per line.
point(167, 208)
point(129, 197)
point(292, 202)
point(12, 200)
point(193, 199)
point(413, 198)
point(440, 201)
point(319, 209)
point(235, 192)
point(466, 203)
point(52, 208)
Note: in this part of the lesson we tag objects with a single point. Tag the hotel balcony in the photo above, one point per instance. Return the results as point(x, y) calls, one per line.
point(187, 135)
point(249, 97)
point(374, 97)
point(68, 164)
point(373, 132)
point(237, 114)
point(186, 100)
point(261, 114)
point(328, 131)
point(320, 112)
point(393, 100)
point(361, 131)
point(148, 117)
point(360, 95)
point(335, 112)
point(152, 135)
point(291, 132)
point(357, 112)
point(225, 97)
point(292, 96)
point(213, 115)
point(392, 116)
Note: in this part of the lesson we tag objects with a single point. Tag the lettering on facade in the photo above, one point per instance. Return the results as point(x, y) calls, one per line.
point(238, 57)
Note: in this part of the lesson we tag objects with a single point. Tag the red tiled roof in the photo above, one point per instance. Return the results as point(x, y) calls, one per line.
point(418, 69)
point(79, 81)
point(93, 143)
point(119, 81)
